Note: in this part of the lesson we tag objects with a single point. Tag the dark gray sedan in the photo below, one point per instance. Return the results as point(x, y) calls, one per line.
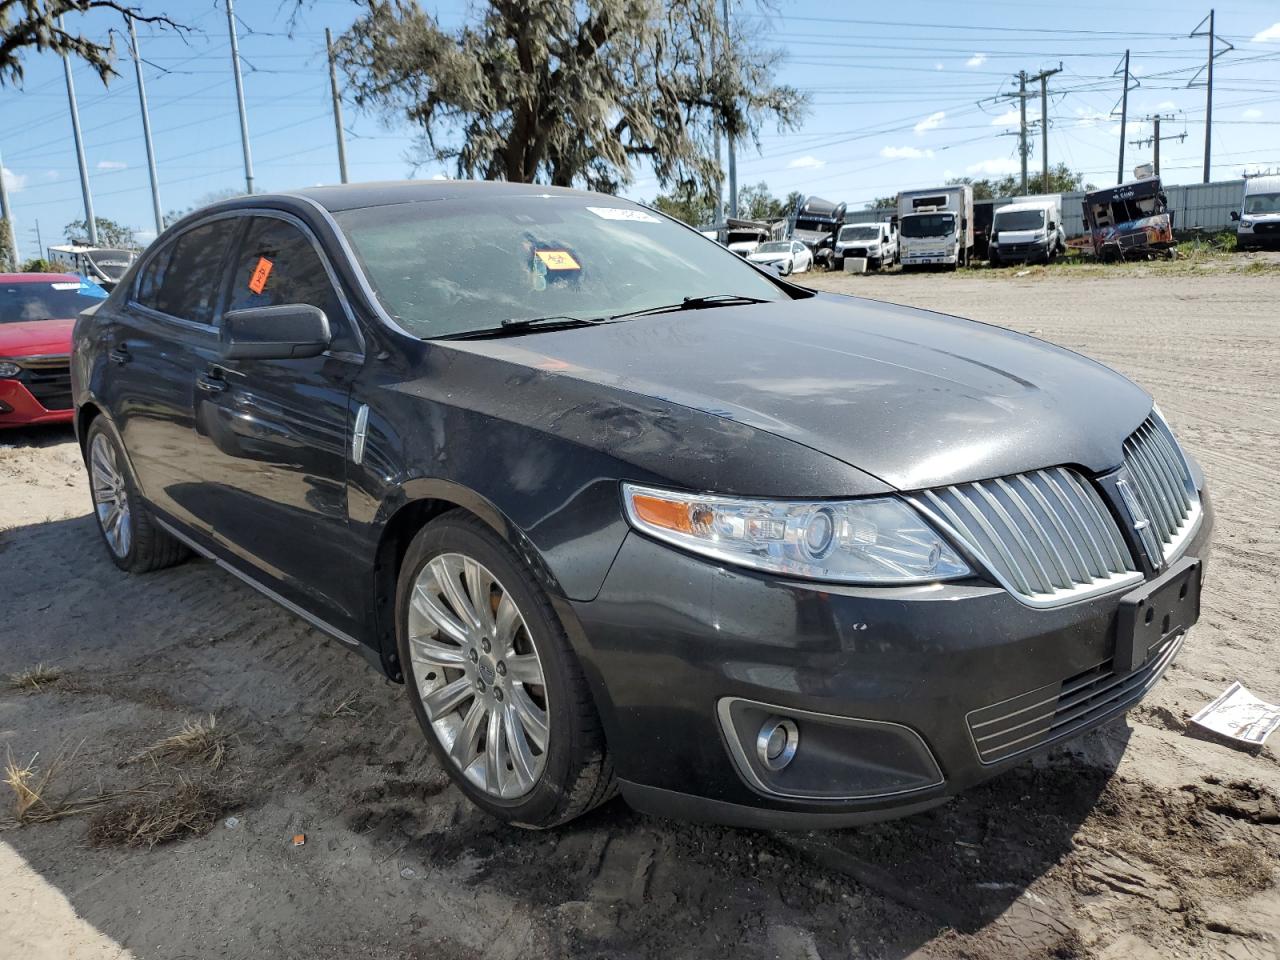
point(626, 513)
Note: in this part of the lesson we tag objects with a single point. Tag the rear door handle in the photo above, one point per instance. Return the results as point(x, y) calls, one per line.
point(120, 355)
point(211, 382)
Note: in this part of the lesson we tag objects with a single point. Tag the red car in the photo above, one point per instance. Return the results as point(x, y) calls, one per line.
point(37, 312)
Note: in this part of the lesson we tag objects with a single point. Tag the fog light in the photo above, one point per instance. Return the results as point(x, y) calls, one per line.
point(777, 742)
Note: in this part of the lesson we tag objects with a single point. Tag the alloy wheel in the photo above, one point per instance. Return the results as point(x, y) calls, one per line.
point(110, 496)
point(479, 675)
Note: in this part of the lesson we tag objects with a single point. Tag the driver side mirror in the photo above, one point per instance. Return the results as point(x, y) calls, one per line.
point(290, 331)
point(1052, 225)
point(1235, 214)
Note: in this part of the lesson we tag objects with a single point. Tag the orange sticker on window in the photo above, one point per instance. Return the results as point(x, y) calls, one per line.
point(258, 282)
point(557, 260)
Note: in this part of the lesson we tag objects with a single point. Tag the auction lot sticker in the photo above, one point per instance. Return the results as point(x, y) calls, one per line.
point(557, 260)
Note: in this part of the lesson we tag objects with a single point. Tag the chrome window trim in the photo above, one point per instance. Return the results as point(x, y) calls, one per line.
point(266, 591)
point(270, 213)
point(723, 710)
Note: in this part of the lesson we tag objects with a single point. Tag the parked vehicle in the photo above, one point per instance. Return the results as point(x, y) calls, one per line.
point(935, 227)
point(625, 512)
point(103, 265)
point(790, 256)
point(1130, 221)
point(745, 240)
point(876, 242)
point(815, 224)
point(37, 312)
point(1027, 230)
point(1258, 219)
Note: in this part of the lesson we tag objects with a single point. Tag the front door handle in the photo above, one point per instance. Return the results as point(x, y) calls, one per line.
point(211, 382)
point(120, 355)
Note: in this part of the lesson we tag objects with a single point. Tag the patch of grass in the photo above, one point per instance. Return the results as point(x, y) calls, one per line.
point(353, 705)
point(198, 741)
point(184, 810)
point(35, 679)
point(33, 800)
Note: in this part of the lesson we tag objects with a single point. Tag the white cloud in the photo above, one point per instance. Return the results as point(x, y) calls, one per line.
point(1269, 35)
point(806, 162)
point(1253, 113)
point(1006, 118)
point(13, 182)
point(977, 60)
point(1166, 105)
point(938, 66)
point(1092, 118)
point(931, 122)
point(997, 167)
point(904, 153)
point(112, 165)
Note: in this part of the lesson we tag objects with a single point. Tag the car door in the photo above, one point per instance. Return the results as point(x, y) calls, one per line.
point(273, 435)
point(158, 340)
point(803, 258)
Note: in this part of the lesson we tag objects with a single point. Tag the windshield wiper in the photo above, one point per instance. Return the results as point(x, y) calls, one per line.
point(517, 325)
point(694, 303)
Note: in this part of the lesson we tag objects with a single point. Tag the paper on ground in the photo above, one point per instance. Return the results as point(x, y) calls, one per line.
point(1240, 715)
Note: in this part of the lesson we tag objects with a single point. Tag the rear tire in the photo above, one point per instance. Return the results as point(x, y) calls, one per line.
point(491, 673)
point(134, 541)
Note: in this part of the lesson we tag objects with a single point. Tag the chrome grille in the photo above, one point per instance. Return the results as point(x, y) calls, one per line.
point(1163, 485)
point(1046, 535)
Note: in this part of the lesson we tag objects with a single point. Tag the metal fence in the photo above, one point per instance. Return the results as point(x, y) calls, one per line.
point(1195, 206)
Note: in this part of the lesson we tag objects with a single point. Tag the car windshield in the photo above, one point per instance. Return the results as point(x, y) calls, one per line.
point(448, 267)
point(1019, 220)
point(47, 299)
point(928, 225)
point(777, 246)
point(861, 232)
point(1262, 203)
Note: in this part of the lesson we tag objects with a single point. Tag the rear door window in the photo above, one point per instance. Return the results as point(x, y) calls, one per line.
point(277, 264)
point(187, 283)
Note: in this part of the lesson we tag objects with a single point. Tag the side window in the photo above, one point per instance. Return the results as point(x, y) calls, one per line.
point(188, 287)
point(148, 286)
point(277, 264)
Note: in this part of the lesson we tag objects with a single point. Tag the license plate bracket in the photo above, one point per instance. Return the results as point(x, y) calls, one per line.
point(1148, 616)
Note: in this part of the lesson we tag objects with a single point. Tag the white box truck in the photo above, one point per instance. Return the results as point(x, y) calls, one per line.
point(1258, 219)
point(935, 226)
point(1029, 230)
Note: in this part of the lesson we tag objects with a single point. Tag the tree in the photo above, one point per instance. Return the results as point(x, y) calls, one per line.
point(1061, 180)
point(890, 203)
point(41, 265)
point(569, 93)
point(25, 24)
point(755, 202)
point(689, 205)
point(110, 233)
point(7, 259)
point(213, 196)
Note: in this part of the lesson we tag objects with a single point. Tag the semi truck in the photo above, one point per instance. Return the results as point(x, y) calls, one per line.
point(935, 227)
point(815, 224)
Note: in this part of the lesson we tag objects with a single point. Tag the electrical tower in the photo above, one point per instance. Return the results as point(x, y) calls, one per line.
point(1207, 70)
point(1155, 138)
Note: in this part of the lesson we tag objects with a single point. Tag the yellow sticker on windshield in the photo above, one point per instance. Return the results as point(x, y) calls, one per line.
point(557, 259)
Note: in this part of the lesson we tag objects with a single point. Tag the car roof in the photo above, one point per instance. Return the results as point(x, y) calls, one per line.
point(350, 196)
point(38, 278)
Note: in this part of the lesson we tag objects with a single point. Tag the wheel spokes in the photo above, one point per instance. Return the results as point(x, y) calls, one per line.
point(435, 654)
point(524, 668)
point(430, 607)
point(506, 624)
point(480, 587)
point(523, 762)
point(464, 748)
point(446, 699)
point(532, 717)
point(448, 574)
point(494, 762)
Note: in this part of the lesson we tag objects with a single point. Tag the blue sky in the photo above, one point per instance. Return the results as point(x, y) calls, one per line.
point(902, 96)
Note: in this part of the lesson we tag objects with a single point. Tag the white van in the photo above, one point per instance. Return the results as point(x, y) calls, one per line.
point(877, 242)
point(1258, 219)
point(1027, 231)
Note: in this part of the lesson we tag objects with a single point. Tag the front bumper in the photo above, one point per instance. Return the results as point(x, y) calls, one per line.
point(671, 639)
point(936, 257)
point(18, 408)
point(1020, 252)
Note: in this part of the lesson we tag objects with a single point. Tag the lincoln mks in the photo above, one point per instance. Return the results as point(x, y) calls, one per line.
point(628, 514)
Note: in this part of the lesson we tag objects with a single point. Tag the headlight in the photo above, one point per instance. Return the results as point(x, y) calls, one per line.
point(879, 540)
point(1246, 222)
point(8, 369)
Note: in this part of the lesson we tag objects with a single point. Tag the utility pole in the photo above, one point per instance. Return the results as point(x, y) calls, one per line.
point(733, 160)
point(90, 222)
point(715, 126)
point(1022, 126)
point(1155, 138)
point(337, 107)
point(146, 130)
point(244, 119)
point(1124, 118)
point(7, 215)
point(1214, 53)
point(1044, 124)
point(39, 240)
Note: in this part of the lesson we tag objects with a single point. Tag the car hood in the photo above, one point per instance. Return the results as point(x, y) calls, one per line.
point(35, 337)
point(914, 398)
point(768, 257)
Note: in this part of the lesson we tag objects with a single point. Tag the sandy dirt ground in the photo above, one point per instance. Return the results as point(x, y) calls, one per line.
point(1139, 841)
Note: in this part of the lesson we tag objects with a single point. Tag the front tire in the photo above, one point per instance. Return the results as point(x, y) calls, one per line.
point(493, 681)
point(134, 541)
